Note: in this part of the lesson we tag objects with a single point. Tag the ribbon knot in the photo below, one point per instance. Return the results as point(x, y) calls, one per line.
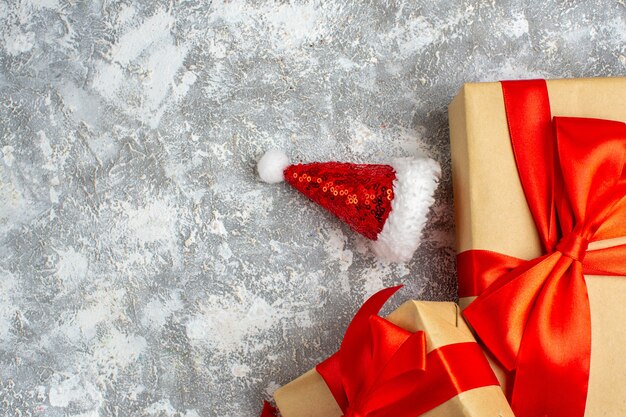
point(573, 246)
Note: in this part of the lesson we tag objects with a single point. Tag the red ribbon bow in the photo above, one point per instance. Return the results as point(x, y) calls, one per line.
point(383, 370)
point(373, 369)
point(534, 315)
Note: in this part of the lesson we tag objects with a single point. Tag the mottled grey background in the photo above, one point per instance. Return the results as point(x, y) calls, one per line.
point(144, 271)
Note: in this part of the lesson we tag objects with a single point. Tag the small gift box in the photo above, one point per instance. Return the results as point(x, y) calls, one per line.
point(422, 360)
point(539, 184)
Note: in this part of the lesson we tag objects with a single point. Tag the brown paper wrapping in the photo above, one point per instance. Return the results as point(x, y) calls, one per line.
point(308, 395)
point(492, 212)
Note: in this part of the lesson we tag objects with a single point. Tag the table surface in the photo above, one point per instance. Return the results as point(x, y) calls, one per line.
point(144, 269)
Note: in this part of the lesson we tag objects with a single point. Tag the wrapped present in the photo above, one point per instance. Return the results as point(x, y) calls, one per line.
point(539, 184)
point(422, 360)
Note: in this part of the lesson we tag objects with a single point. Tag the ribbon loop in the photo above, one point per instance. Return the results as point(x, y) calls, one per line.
point(573, 246)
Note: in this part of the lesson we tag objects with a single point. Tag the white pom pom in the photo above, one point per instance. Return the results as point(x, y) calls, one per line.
point(272, 165)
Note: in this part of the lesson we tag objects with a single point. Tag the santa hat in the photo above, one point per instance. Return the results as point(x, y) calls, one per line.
point(387, 204)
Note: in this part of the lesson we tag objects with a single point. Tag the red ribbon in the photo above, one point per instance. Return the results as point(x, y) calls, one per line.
point(534, 315)
point(383, 370)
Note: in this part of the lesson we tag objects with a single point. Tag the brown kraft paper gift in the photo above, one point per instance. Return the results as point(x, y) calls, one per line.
point(492, 212)
point(308, 395)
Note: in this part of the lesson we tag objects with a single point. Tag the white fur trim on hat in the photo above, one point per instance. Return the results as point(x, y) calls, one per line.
point(413, 190)
point(271, 166)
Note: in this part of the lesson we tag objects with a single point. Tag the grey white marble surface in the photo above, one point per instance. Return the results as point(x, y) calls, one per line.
point(144, 271)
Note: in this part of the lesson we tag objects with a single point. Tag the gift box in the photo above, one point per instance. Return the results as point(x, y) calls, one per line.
point(538, 187)
point(453, 379)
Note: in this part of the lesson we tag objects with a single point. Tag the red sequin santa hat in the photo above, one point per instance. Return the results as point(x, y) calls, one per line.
point(387, 204)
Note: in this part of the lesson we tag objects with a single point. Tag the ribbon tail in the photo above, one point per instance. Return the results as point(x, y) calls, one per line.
point(552, 370)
